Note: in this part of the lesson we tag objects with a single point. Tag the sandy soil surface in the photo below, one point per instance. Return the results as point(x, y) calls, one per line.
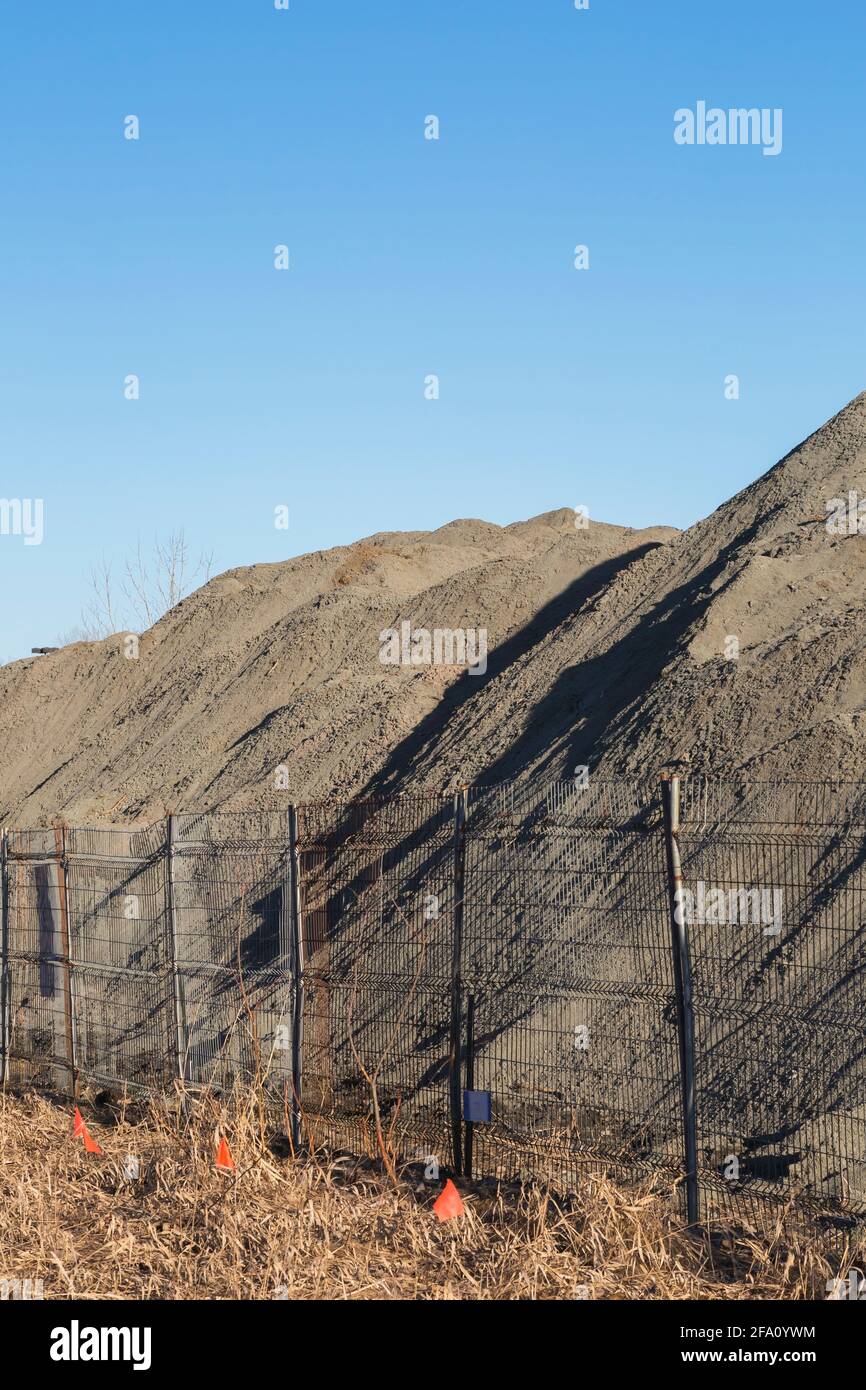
point(636, 678)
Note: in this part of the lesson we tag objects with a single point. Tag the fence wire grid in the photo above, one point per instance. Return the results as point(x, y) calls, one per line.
point(511, 983)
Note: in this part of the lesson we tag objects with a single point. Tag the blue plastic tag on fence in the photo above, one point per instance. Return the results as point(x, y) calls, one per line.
point(477, 1107)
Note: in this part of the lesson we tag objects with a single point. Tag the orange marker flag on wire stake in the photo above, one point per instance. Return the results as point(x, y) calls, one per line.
point(448, 1204)
point(224, 1160)
point(80, 1131)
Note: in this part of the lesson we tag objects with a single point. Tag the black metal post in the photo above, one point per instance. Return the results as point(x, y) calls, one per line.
point(455, 1085)
point(297, 966)
point(683, 984)
point(66, 943)
point(177, 990)
point(470, 1080)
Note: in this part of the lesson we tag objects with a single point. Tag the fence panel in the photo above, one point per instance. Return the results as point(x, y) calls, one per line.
point(38, 1017)
point(775, 906)
point(230, 876)
point(120, 978)
point(567, 957)
point(376, 908)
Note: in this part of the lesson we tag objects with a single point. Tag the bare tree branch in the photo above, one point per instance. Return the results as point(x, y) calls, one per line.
point(149, 587)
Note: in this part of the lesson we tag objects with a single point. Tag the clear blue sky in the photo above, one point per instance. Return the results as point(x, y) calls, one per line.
point(408, 257)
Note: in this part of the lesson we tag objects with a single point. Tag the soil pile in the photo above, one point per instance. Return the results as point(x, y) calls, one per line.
point(736, 645)
point(267, 682)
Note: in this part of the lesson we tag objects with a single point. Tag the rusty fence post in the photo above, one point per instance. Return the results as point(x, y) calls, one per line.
point(455, 1047)
point(670, 789)
point(296, 944)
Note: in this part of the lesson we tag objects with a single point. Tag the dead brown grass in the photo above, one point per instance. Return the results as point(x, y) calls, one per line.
point(278, 1228)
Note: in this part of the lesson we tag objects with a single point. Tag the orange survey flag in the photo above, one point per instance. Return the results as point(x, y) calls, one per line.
point(448, 1203)
point(224, 1158)
point(80, 1131)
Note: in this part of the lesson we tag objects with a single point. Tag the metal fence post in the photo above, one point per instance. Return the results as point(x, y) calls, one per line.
point(178, 999)
point(4, 955)
point(455, 1048)
point(68, 986)
point(468, 1145)
point(297, 967)
point(683, 983)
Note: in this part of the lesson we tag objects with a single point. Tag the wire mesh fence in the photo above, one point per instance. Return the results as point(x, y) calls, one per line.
point(777, 935)
point(515, 983)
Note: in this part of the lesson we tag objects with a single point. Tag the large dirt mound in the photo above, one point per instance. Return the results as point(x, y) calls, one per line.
point(609, 647)
point(277, 667)
point(644, 674)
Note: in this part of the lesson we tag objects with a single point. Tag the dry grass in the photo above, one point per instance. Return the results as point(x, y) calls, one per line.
point(280, 1228)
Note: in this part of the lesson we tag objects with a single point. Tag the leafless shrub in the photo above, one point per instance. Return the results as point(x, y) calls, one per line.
point(149, 585)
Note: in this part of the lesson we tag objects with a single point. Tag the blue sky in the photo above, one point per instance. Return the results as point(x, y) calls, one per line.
point(409, 257)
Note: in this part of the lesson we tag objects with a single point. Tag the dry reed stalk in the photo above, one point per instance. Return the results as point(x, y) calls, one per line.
point(338, 1229)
